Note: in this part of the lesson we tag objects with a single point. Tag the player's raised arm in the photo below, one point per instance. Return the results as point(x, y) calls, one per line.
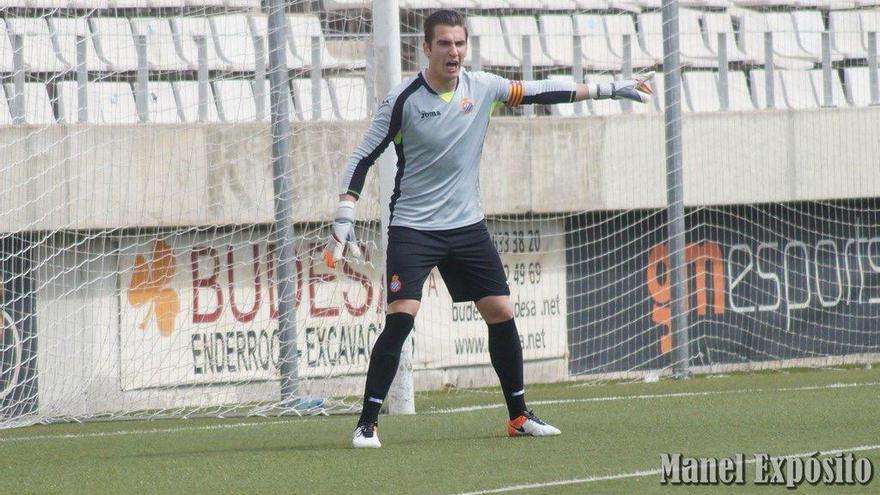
point(351, 182)
point(550, 91)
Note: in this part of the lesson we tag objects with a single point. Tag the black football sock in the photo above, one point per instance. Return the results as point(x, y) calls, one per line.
point(383, 363)
point(505, 352)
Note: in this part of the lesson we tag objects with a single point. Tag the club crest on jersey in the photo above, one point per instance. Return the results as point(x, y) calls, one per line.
point(466, 105)
point(432, 113)
point(395, 285)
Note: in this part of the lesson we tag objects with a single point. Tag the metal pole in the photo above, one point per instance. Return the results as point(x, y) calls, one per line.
point(370, 79)
point(82, 81)
point(828, 99)
point(142, 92)
point(769, 70)
point(18, 79)
point(675, 191)
point(386, 39)
point(476, 61)
point(202, 45)
point(528, 73)
point(260, 76)
point(627, 70)
point(316, 78)
point(872, 68)
point(723, 79)
point(577, 68)
point(282, 185)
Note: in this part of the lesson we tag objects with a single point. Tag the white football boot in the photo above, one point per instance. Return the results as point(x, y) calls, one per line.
point(528, 424)
point(366, 436)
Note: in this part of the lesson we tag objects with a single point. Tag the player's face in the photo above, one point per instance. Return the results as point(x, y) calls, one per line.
point(446, 52)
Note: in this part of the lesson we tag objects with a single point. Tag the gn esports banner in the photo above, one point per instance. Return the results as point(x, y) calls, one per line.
point(764, 282)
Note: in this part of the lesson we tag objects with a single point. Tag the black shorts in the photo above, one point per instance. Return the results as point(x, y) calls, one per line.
point(466, 258)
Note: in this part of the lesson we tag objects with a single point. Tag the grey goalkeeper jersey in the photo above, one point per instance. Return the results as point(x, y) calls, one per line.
point(439, 140)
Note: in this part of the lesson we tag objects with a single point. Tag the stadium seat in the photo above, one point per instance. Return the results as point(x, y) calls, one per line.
point(556, 37)
point(108, 102)
point(186, 28)
point(515, 27)
point(302, 96)
point(161, 51)
point(301, 29)
point(235, 100)
point(837, 95)
point(65, 30)
point(787, 51)
point(115, 42)
point(493, 51)
point(870, 23)
point(616, 26)
point(846, 33)
point(6, 64)
point(739, 97)
point(858, 85)
point(720, 22)
point(692, 49)
point(350, 97)
point(592, 4)
point(566, 5)
point(37, 105)
point(596, 53)
point(5, 114)
point(260, 26)
point(799, 90)
point(332, 5)
point(234, 39)
point(810, 27)
point(757, 78)
point(39, 54)
point(701, 90)
point(162, 103)
point(187, 93)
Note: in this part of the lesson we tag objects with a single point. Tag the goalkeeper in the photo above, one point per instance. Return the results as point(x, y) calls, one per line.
point(437, 121)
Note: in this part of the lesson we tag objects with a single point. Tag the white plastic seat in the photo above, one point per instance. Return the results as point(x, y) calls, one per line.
point(235, 100)
point(565, 5)
point(870, 22)
point(234, 41)
point(186, 28)
point(799, 90)
point(702, 92)
point(162, 103)
point(493, 50)
point(787, 52)
point(115, 42)
point(39, 54)
point(350, 97)
point(692, 49)
point(302, 95)
point(739, 97)
point(596, 52)
point(332, 5)
point(5, 113)
point(810, 27)
point(757, 78)
point(720, 22)
point(515, 27)
point(65, 31)
point(161, 51)
point(6, 64)
point(260, 26)
point(858, 85)
point(267, 102)
point(108, 102)
point(37, 105)
point(556, 37)
point(846, 33)
point(187, 93)
point(838, 97)
point(301, 29)
point(616, 26)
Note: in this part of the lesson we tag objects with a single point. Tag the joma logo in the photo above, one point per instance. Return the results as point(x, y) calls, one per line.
point(433, 113)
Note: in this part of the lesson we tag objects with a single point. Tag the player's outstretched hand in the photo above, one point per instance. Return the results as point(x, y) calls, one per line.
point(342, 238)
point(635, 89)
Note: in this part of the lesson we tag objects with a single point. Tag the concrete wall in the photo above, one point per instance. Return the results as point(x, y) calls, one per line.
point(95, 177)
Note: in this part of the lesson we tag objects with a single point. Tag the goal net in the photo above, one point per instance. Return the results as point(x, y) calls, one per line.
point(138, 252)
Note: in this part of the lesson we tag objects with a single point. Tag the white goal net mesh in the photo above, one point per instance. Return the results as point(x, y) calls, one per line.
point(138, 255)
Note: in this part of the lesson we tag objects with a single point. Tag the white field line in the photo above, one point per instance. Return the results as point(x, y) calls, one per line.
point(672, 395)
point(648, 472)
point(247, 424)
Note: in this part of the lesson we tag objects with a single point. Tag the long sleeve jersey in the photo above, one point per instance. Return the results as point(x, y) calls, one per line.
point(439, 140)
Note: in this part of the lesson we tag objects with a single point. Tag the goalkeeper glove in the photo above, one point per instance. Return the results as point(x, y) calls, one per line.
point(636, 89)
point(342, 236)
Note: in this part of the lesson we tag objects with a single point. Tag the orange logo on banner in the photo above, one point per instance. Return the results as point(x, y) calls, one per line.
point(704, 261)
point(149, 286)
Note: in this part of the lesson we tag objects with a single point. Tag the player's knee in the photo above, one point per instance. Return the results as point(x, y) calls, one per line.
point(495, 309)
point(409, 306)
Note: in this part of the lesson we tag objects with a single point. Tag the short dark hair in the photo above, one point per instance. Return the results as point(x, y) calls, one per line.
point(443, 18)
